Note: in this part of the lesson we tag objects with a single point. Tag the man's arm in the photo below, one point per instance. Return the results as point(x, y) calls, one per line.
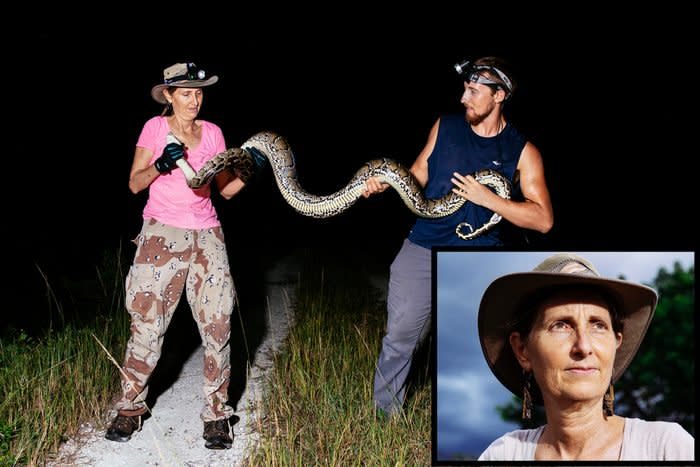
point(534, 213)
point(419, 169)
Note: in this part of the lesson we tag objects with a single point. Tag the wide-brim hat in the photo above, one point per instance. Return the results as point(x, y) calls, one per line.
point(181, 75)
point(504, 298)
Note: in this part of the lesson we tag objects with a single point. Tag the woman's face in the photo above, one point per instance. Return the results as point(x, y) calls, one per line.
point(571, 347)
point(186, 102)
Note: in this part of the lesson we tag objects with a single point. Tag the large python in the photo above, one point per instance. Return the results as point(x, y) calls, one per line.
point(244, 161)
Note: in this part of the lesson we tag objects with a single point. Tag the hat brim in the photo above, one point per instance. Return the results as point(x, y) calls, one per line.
point(157, 90)
point(502, 299)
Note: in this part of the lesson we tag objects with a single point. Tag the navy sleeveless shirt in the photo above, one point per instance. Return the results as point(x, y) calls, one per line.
point(459, 149)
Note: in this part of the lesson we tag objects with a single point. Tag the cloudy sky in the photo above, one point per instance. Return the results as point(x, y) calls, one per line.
point(467, 391)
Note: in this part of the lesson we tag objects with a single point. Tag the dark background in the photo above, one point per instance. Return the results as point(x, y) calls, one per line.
point(600, 95)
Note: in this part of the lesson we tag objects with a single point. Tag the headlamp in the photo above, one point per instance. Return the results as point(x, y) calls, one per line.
point(472, 74)
point(183, 71)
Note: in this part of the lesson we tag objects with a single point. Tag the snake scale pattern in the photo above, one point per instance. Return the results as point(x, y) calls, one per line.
point(245, 160)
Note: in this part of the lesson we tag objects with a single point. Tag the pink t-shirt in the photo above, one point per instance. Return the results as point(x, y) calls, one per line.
point(170, 200)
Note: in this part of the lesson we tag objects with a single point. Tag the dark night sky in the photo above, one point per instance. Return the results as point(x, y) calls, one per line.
point(592, 98)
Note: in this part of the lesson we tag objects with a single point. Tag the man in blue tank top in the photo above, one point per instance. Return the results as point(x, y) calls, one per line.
point(458, 145)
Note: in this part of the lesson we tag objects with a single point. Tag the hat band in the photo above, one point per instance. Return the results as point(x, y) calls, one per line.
point(192, 74)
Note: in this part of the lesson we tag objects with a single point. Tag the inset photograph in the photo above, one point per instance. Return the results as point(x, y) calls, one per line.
point(563, 356)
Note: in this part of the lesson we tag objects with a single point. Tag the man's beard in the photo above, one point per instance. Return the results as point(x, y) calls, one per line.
point(473, 118)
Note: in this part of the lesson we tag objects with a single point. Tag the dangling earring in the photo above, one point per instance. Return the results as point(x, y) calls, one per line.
point(608, 401)
point(167, 109)
point(527, 397)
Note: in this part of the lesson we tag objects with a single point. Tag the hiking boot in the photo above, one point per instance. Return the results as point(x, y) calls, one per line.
point(218, 434)
point(122, 427)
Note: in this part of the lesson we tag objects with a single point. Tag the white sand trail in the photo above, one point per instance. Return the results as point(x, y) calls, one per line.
point(172, 436)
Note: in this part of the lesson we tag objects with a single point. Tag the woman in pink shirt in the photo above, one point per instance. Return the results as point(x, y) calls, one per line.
point(180, 247)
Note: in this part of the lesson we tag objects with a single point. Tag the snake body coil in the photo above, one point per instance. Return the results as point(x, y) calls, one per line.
point(276, 149)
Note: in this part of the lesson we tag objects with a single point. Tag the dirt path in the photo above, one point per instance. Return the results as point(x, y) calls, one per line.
point(172, 436)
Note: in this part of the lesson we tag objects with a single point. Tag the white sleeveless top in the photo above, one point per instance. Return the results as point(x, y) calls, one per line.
point(641, 441)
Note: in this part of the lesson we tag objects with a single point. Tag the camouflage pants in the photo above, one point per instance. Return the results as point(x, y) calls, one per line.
point(168, 260)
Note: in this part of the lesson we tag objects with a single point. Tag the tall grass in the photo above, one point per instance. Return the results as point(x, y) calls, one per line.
point(51, 384)
point(319, 408)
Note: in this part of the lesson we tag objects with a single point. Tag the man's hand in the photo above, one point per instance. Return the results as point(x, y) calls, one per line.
point(374, 186)
point(171, 153)
point(468, 188)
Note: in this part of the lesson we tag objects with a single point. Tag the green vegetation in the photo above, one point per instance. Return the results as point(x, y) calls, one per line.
point(660, 382)
point(53, 383)
point(319, 408)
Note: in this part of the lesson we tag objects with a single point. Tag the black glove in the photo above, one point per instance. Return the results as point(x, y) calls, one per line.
point(249, 165)
point(172, 152)
point(259, 158)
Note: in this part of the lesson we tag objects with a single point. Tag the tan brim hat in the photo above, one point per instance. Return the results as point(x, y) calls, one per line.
point(157, 91)
point(503, 299)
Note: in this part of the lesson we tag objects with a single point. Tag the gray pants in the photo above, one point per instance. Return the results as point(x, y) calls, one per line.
point(408, 322)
